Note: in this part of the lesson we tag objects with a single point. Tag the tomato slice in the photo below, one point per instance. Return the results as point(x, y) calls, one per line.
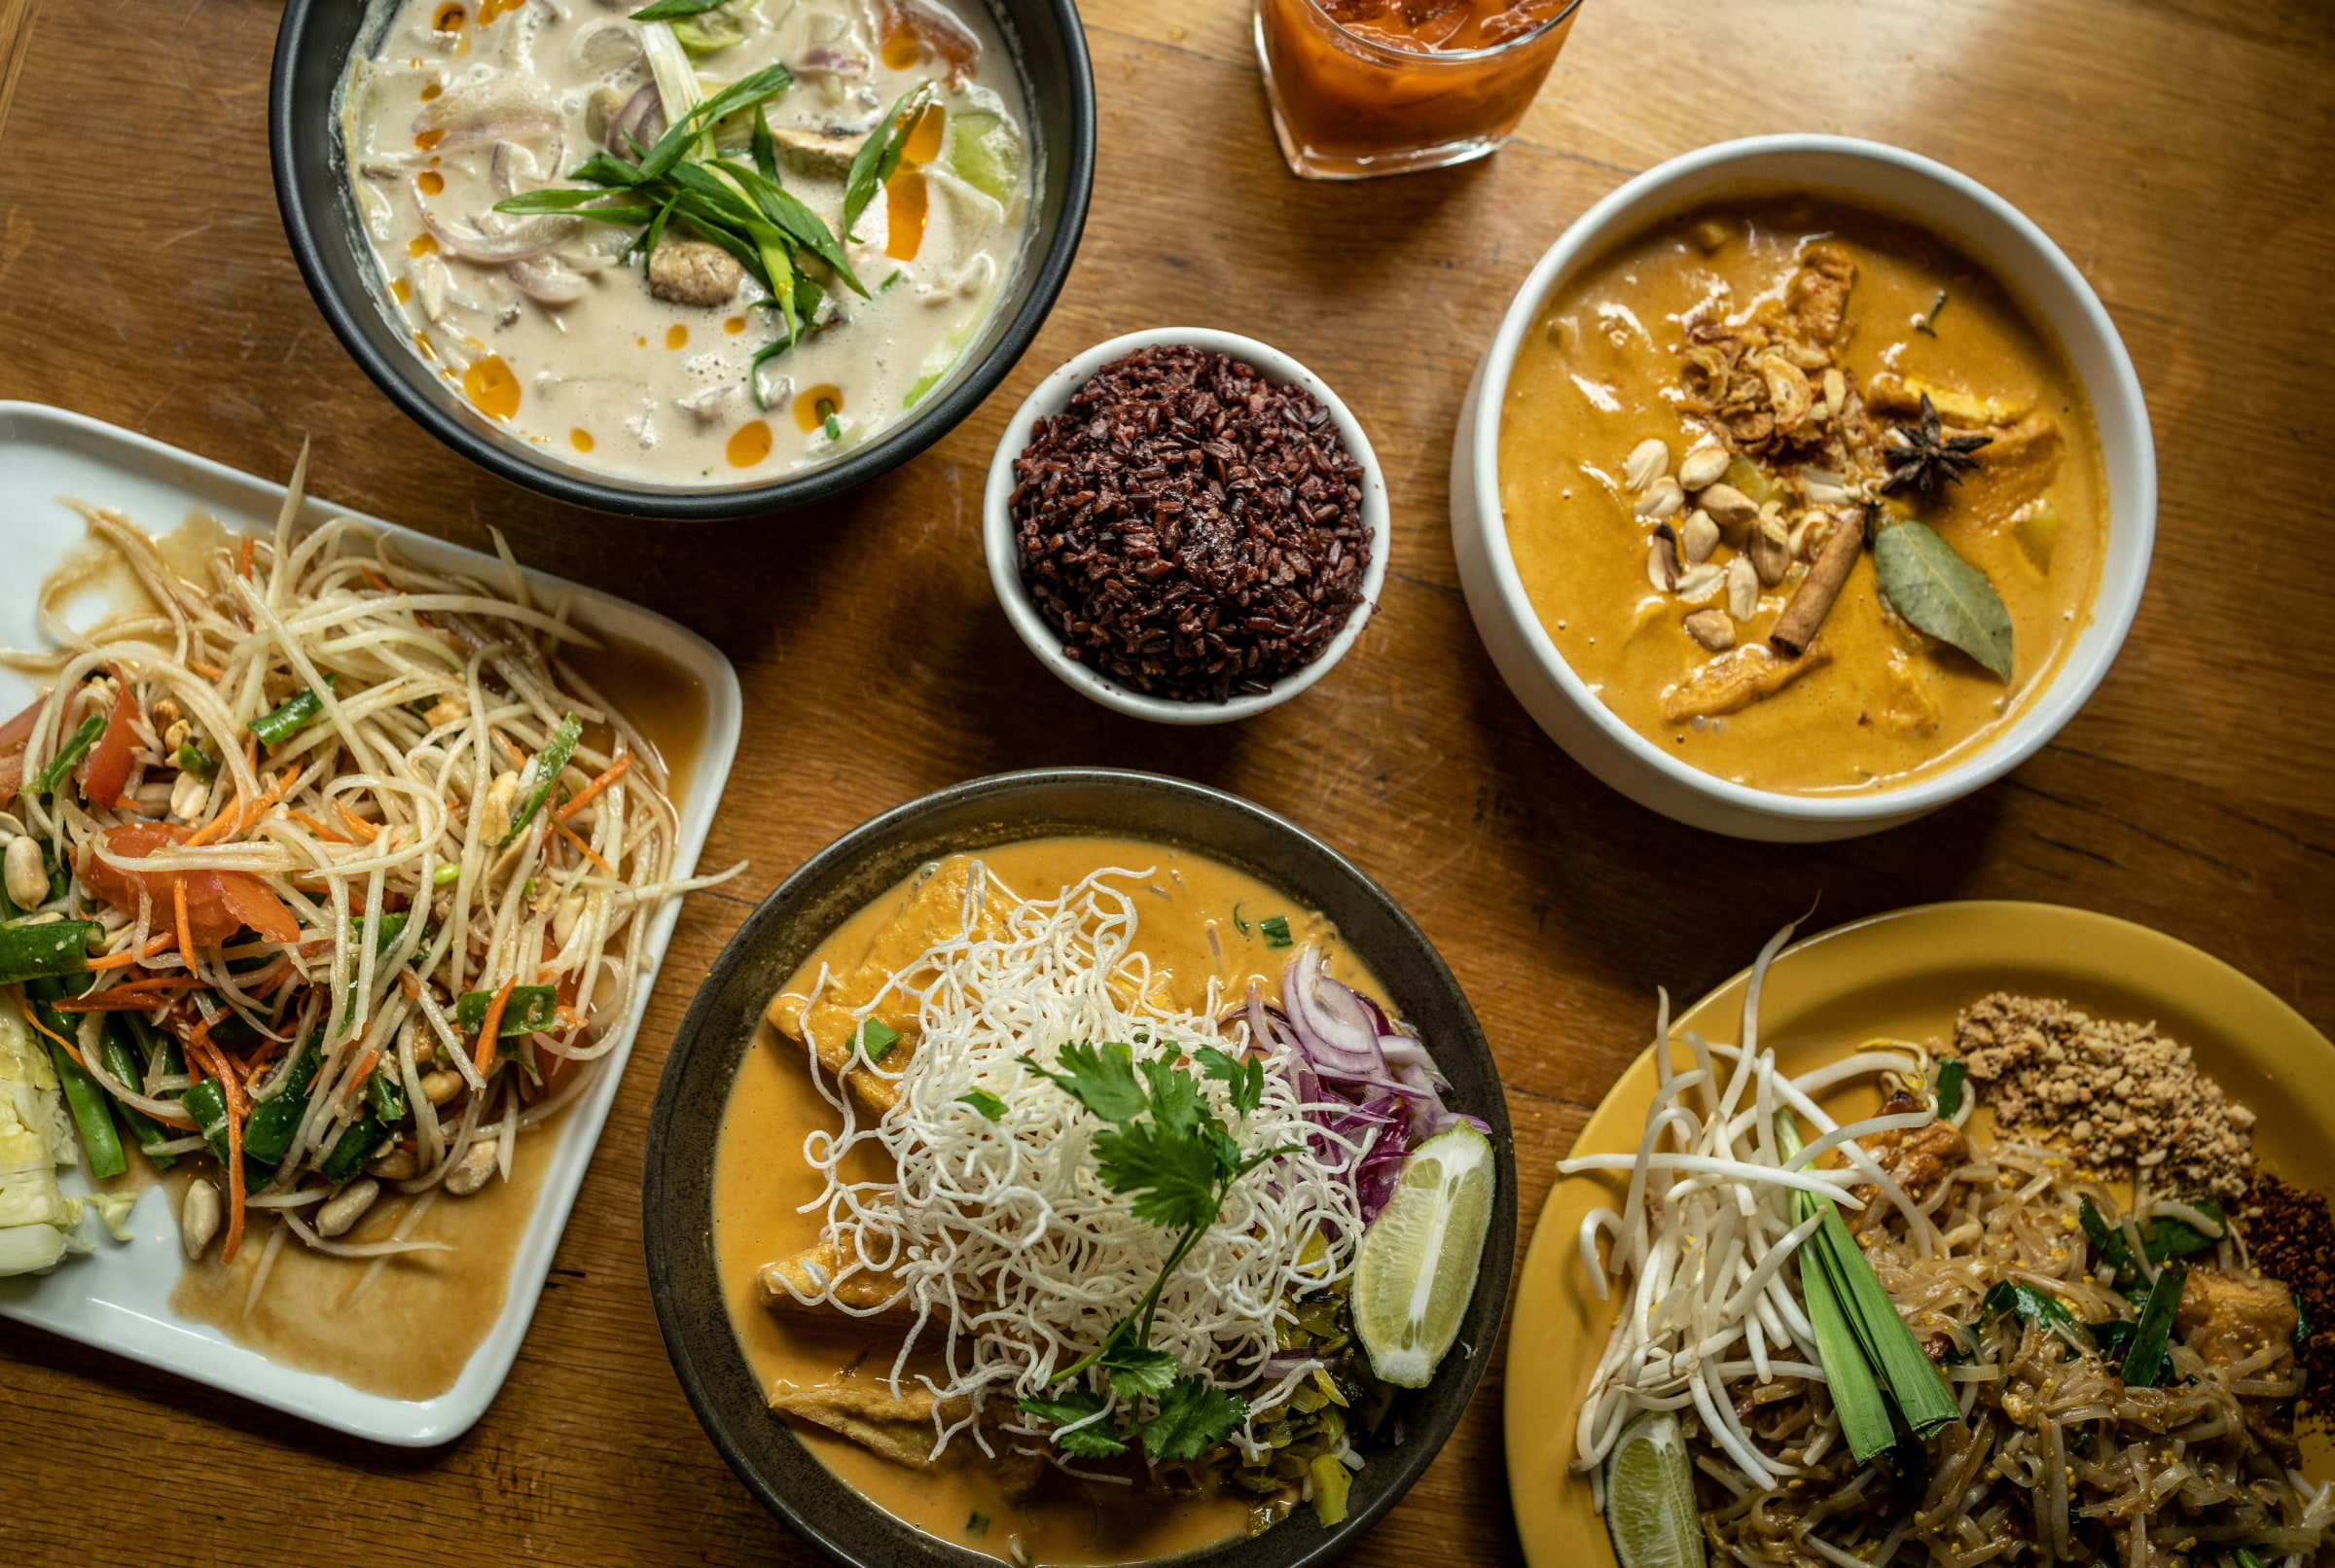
point(13, 736)
point(249, 898)
point(219, 904)
point(106, 769)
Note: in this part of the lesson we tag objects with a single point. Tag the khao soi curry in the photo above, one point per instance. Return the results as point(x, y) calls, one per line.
point(1802, 493)
point(947, 1249)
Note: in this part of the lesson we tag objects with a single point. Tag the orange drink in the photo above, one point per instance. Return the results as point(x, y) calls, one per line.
point(1361, 87)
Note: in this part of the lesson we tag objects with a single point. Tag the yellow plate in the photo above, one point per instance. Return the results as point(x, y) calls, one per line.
point(1905, 975)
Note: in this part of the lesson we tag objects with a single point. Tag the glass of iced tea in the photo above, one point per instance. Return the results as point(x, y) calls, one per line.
point(1361, 87)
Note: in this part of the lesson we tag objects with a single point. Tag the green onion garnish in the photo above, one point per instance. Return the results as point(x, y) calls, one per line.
point(1871, 1358)
point(874, 1039)
point(1276, 930)
point(1950, 1089)
point(2149, 1359)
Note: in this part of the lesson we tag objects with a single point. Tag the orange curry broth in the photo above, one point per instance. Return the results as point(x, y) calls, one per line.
point(1883, 705)
point(765, 1204)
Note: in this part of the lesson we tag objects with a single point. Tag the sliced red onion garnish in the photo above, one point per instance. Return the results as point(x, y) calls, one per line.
point(1370, 1082)
point(1278, 1367)
point(545, 280)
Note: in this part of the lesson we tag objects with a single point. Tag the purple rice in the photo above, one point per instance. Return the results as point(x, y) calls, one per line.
point(1189, 528)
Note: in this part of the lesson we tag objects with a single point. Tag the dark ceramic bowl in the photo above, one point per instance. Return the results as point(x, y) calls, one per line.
point(313, 51)
point(677, 1190)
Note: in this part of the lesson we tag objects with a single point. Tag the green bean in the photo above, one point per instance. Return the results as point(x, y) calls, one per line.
point(531, 1009)
point(273, 1121)
point(293, 715)
point(44, 952)
point(114, 1045)
point(355, 1146)
point(206, 1103)
point(99, 1143)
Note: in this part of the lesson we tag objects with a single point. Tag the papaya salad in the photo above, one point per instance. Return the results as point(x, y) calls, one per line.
point(325, 872)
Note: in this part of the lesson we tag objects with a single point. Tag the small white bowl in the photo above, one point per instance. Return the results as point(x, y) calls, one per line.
point(1051, 396)
point(2037, 274)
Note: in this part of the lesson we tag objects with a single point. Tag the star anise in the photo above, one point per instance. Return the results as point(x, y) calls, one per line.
point(1923, 458)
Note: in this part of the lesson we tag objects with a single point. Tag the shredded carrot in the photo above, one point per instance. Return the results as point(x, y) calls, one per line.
point(357, 824)
point(569, 834)
point(200, 1042)
point(511, 747)
point(600, 781)
point(244, 560)
point(364, 1066)
point(250, 815)
point(315, 827)
point(209, 673)
point(121, 960)
point(186, 938)
point(406, 984)
point(377, 580)
point(16, 993)
point(161, 942)
point(224, 821)
point(117, 1000)
point(152, 982)
point(491, 1029)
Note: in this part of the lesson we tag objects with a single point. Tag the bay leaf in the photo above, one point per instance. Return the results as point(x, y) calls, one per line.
point(1943, 595)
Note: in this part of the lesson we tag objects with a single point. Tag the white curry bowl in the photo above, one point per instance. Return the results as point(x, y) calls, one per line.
point(2034, 271)
point(1051, 397)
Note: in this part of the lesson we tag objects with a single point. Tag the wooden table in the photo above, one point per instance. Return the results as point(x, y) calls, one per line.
point(2178, 149)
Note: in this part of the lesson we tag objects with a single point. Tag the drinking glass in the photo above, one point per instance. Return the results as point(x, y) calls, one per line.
point(1349, 104)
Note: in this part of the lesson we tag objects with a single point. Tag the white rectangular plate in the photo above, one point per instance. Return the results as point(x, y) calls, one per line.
point(118, 1297)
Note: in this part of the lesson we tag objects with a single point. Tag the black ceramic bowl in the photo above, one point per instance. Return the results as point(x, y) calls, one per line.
point(313, 51)
point(678, 1188)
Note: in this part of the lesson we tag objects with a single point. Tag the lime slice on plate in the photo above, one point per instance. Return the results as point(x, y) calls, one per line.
point(1650, 1496)
point(1418, 1260)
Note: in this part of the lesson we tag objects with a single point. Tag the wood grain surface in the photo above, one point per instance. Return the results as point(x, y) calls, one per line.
point(2178, 149)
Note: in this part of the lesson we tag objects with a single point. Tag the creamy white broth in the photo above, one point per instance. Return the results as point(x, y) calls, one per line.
point(466, 101)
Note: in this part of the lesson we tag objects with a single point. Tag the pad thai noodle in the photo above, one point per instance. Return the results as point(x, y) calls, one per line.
point(325, 869)
point(2081, 1372)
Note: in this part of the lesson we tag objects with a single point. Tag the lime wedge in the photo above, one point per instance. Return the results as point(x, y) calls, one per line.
point(1650, 1496)
point(1418, 1259)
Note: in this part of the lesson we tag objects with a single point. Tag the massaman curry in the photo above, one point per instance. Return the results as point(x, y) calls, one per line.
point(1802, 495)
point(1193, 921)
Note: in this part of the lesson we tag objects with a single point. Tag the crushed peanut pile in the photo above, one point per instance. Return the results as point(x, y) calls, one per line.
point(2130, 1098)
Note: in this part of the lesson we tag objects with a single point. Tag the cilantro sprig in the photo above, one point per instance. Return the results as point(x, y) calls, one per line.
point(1166, 1149)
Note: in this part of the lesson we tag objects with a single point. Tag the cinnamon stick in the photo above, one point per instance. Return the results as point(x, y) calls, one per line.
point(1812, 600)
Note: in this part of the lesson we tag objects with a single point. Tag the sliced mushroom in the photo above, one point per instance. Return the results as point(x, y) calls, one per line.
point(523, 241)
point(545, 280)
point(603, 48)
